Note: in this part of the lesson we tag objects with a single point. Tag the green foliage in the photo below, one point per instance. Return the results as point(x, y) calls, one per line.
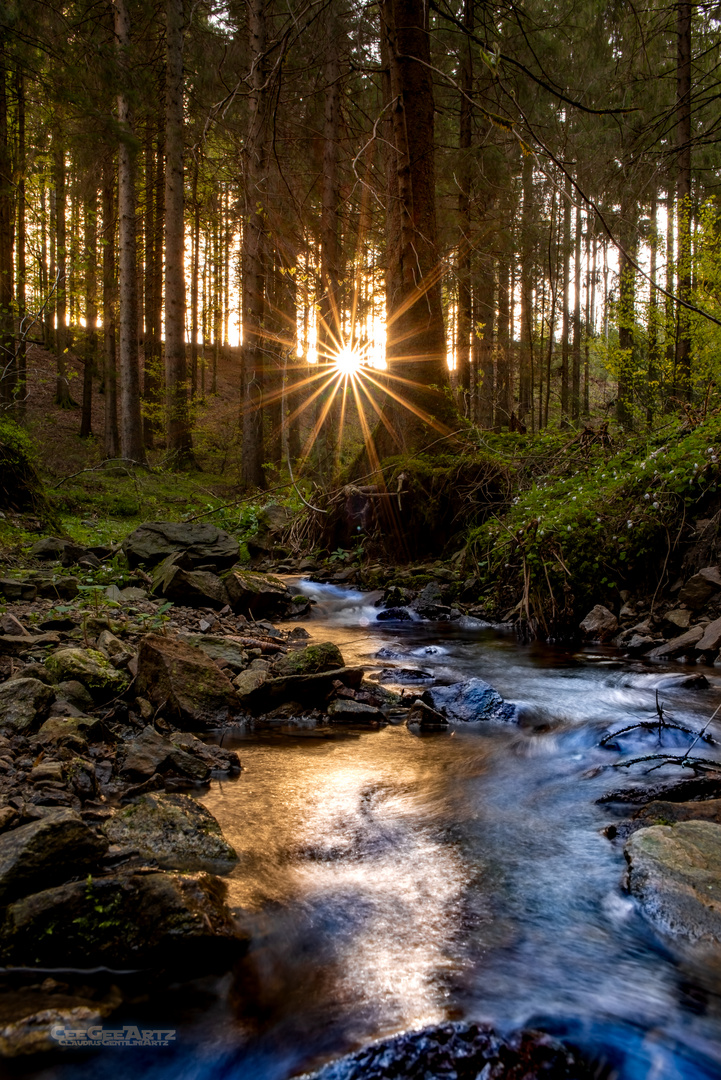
point(579, 534)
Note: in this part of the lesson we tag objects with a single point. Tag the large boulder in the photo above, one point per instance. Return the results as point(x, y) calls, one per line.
point(711, 640)
point(599, 625)
point(203, 544)
point(175, 831)
point(674, 871)
point(57, 846)
point(133, 919)
point(309, 661)
point(24, 704)
point(89, 667)
point(468, 702)
point(700, 588)
point(188, 587)
point(257, 594)
point(184, 683)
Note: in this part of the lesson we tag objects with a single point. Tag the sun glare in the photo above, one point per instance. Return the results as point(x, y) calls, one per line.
point(348, 361)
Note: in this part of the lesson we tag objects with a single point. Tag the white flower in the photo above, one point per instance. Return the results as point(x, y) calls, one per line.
point(655, 506)
point(647, 496)
point(598, 519)
point(629, 524)
point(568, 528)
point(574, 498)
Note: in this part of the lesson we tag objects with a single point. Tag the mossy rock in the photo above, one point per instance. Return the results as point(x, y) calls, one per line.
point(175, 831)
point(310, 661)
point(89, 667)
point(20, 485)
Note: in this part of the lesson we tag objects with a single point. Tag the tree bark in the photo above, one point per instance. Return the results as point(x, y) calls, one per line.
point(683, 194)
point(21, 299)
point(131, 429)
point(179, 438)
point(91, 311)
point(62, 387)
point(576, 354)
point(416, 345)
point(463, 326)
point(112, 438)
point(526, 358)
point(567, 209)
point(7, 216)
point(253, 285)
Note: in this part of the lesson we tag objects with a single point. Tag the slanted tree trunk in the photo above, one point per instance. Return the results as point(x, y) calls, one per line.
point(416, 344)
point(112, 438)
point(253, 285)
point(91, 311)
point(179, 439)
point(131, 429)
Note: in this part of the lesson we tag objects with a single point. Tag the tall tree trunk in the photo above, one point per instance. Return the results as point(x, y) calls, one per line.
point(416, 345)
point(179, 440)
point(195, 271)
point(626, 311)
point(151, 337)
point(253, 285)
point(463, 334)
point(567, 211)
point(91, 310)
point(683, 193)
point(484, 311)
point(8, 371)
point(653, 321)
point(21, 265)
point(112, 438)
point(527, 223)
point(131, 429)
point(329, 325)
point(62, 387)
point(576, 355)
point(503, 407)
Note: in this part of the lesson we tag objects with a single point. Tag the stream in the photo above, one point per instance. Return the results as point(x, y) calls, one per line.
point(391, 880)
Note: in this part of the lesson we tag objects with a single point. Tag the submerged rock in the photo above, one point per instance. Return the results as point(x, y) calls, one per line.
point(674, 871)
point(175, 831)
point(135, 919)
point(460, 1051)
point(347, 711)
point(51, 849)
point(184, 682)
point(422, 717)
point(469, 701)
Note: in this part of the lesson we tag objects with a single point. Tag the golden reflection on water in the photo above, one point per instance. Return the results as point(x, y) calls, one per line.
point(350, 830)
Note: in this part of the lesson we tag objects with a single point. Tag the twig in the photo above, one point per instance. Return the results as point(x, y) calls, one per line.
point(701, 733)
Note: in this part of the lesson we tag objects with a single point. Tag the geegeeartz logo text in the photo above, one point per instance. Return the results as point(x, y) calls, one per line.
point(97, 1035)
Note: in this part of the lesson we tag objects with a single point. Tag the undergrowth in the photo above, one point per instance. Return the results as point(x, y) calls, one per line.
point(598, 520)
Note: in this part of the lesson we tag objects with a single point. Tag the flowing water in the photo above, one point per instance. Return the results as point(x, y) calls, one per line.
point(390, 880)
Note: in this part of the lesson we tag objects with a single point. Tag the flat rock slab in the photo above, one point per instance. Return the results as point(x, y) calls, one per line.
point(310, 661)
point(175, 831)
point(461, 1051)
point(153, 541)
point(469, 702)
point(182, 681)
point(347, 711)
point(257, 594)
point(132, 919)
point(674, 871)
point(150, 753)
point(57, 846)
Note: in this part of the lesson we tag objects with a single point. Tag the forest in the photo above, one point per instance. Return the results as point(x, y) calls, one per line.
point(360, 540)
